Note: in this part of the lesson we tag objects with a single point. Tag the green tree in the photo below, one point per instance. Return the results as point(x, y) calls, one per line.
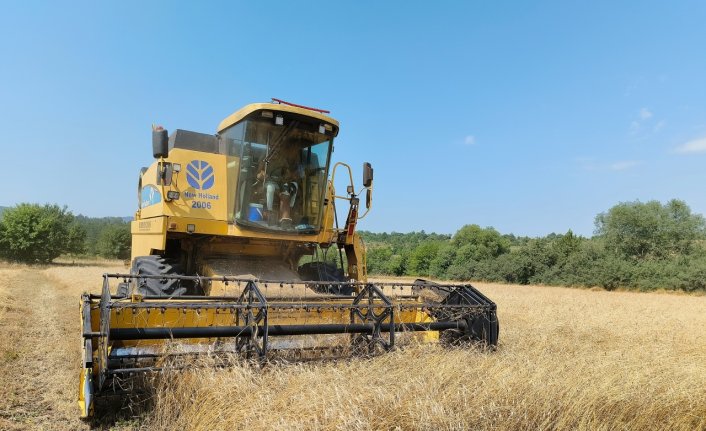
point(377, 259)
point(650, 230)
point(75, 239)
point(637, 245)
point(567, 244)
point(442, 261)
point(114, 241)
point(422, 256)
point(34, 233)
point(479, 243)
point(397, 264)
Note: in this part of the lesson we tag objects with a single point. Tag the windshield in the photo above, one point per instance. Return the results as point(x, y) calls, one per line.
point(282, 178)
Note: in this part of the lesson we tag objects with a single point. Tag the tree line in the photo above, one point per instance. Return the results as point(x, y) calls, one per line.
point(636, 245)
point(33, 233)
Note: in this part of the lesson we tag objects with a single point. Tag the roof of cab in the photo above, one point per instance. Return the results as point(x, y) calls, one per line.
point(253, 107)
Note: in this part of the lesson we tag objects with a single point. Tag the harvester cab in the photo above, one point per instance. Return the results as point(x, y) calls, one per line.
point(237, 251)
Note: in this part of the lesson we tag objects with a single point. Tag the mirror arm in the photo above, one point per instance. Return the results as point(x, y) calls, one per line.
point(367, 210)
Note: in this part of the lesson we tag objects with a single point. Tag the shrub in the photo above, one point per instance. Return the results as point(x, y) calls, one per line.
point(422, 256)
point(637, 245)
point(442, 261)
point(480, 243)
point(114, 241)
point(32, 233)
point(377, 259)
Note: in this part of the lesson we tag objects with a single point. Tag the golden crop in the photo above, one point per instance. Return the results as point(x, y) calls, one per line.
point(568, 359)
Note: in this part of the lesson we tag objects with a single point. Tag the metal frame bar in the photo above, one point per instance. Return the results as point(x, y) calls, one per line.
point(276, 330)
point(253, 312)
point(372, 295)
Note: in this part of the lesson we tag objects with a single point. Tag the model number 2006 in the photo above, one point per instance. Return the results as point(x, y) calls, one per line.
point(201, 204)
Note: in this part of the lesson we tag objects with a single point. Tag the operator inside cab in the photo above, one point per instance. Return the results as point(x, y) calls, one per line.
point(284, 160)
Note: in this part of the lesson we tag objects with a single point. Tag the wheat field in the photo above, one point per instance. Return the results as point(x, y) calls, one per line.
point(567, 359)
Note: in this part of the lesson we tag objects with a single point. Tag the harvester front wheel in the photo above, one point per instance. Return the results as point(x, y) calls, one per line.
point(158, 265)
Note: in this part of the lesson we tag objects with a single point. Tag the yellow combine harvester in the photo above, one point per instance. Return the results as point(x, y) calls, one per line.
point(237, 250)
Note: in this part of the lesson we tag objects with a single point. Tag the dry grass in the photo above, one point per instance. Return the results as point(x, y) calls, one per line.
point(39, 351)
point(568, 359)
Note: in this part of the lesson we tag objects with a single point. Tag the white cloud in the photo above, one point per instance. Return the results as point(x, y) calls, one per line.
point(645, 114)
point(695, 146)
point(644, 124)
point(624, 165)
point(469, 140)
point(634, 127)
point(591, 164)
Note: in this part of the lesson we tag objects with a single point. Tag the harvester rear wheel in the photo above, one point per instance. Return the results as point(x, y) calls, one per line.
point(158, 265)
point(320, 271)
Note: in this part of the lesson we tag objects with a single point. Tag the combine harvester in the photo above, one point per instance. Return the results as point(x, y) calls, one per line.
point(233, 250)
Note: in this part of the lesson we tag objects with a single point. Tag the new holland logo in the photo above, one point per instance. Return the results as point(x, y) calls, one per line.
point(199, 175)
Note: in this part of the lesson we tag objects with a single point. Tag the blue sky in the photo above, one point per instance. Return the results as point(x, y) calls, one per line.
point(531, 117)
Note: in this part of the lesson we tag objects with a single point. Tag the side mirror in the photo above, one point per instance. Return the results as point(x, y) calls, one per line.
point(367, 174)
point(160, 143)
point(368, 198)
